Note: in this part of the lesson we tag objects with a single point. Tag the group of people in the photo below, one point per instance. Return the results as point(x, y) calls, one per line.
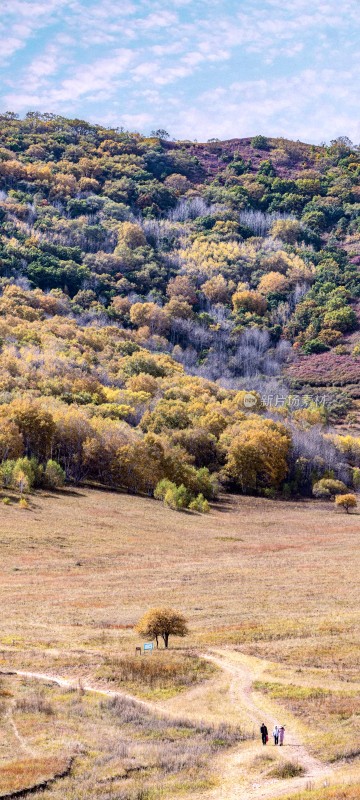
point(278, 734)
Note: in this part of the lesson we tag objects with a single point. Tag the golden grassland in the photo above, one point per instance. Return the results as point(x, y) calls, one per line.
point(274, 583)
point(332, 716)
point(84, 564)
point(97, 745)
point(338, 792)
point(31, 773)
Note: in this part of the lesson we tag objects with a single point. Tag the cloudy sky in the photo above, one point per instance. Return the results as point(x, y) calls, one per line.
point(199, 68)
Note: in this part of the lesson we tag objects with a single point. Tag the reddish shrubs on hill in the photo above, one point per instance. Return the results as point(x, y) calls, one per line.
point(325, 369)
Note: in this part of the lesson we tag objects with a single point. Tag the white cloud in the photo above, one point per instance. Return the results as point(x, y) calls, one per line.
point(44, 66)
point(9, 47)
point(306, 107)
point(21, 20)
point(89, 80)
point(161, 19)
point(135, 121)
point(269, 66)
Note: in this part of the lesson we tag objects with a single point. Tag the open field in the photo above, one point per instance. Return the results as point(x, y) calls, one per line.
point(270, 590)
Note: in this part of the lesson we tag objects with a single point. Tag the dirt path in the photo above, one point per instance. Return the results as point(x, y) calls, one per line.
point(80, 685)
point(243, 775)
point(22, 741)
point(236, 767)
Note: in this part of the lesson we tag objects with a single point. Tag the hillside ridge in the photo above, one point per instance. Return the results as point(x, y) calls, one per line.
point(169, 308)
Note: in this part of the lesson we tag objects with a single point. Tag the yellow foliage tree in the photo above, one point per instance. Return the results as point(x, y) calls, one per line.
point(143, 383)
point(178, 308)
point(216, 289)
point(36, 426)
point(248, 300)
point(162, 623)
point(212, 257)
point(11, 441)
point(346, 501)
point(288, 230)
point(350, 446)
point(131, 235)
point(151, 315)
point(182, 287)
point(273, 282)
point(257, 454)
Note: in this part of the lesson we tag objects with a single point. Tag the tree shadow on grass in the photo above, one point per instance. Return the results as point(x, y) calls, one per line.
point(53, 493)
point(224, 505)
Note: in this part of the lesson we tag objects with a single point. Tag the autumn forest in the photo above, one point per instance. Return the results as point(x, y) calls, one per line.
point(178, 318)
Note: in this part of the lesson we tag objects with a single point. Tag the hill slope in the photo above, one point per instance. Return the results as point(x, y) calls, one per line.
point(129, 264)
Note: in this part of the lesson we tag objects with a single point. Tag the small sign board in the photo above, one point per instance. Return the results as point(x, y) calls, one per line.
point(148, 646)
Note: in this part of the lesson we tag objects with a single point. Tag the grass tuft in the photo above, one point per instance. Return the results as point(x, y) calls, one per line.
point(289, 769)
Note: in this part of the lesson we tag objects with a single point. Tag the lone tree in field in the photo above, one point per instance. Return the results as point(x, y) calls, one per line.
point(162, 622)
point(346, 501)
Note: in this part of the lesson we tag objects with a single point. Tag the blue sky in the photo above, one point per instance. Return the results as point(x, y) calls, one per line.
point(199, 68)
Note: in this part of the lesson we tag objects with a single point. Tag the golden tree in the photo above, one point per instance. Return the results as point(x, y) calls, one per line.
point(257, 454)
point(162, 623)
point(248, 300)
point(346, 501)
point(11, 441)
point(216, 289)
point(149, 314)
point(273, 282)
point(182, 287)
point(36, 426)
point(288, 230)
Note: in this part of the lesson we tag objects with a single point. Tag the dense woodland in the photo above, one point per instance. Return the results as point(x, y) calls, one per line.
point(176, 317)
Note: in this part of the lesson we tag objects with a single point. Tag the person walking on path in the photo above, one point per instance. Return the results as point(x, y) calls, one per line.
point(276, 734)
point(281, 735)
point(264, 733)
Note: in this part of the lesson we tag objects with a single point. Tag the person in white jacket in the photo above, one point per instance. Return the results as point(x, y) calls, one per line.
point(275, 734)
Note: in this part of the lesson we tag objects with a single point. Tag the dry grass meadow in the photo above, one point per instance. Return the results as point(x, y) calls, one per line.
point(271, 593)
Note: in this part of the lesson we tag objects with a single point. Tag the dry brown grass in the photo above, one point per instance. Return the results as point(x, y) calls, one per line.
point(89, 563)
point(116, 747)
point(332, 717)
point(29, 773)
point(338, 792)
point(274, 579)
point(161, 676)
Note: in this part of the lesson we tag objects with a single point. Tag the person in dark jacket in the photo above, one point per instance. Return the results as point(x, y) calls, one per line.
point(264, 733)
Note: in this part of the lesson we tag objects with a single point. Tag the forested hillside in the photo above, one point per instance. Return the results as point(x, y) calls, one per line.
point(177, 312)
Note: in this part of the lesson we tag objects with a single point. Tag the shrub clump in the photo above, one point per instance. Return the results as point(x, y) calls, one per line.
point(259, 142)
point(23, 503)
point(328, 488)
point(180, 498)
point(289, 769)
point(200, 504)
point(25, 474)
point(54, 475)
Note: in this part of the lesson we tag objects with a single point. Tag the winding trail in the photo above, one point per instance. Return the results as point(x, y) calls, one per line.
point(80, 685)
point(22, 741)
point(236, 766)
point(238, 769)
